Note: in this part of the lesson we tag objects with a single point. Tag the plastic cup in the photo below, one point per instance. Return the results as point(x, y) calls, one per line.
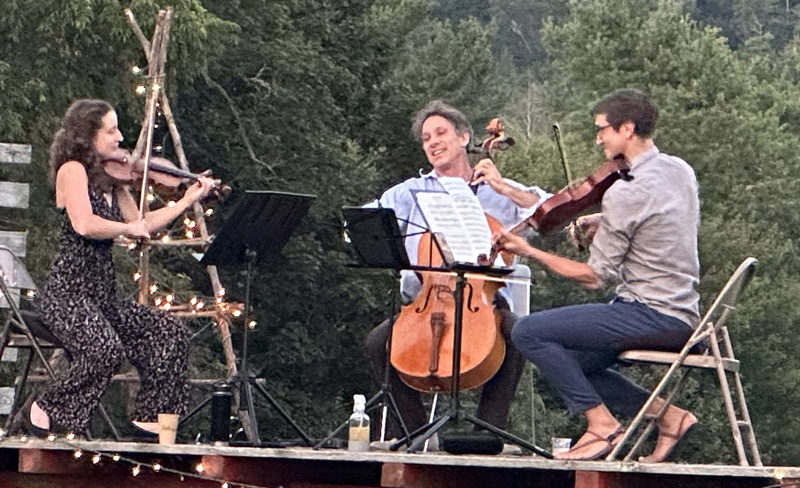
point(560, 445)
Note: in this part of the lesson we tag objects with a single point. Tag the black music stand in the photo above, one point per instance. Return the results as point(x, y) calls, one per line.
point(260, 225)
point(378, 243)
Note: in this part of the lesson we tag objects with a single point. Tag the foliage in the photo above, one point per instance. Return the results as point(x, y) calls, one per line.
point(316, 96)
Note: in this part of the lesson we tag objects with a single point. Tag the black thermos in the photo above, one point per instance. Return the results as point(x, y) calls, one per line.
point(220, 414)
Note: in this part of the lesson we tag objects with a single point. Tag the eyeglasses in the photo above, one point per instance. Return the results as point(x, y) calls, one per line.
point(599, 128)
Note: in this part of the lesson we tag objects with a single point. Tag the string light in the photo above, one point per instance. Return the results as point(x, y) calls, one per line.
point(166, 238)
point(209, 212)
point(30, 294)
point(140, 89)
point(137, 276)
point(252, 324)
point(136, 70)
point(137, 465)
point(153, 288)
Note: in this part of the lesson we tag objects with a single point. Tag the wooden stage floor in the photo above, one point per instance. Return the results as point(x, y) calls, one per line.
point(39, 463)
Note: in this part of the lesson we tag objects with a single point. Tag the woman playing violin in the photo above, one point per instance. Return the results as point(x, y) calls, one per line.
point(79, 303)
point(646, 244)
point(445, 133)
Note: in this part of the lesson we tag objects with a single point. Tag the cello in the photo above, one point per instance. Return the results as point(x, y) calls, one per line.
point(423, 334)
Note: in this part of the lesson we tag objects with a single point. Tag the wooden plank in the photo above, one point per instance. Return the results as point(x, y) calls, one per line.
point(15, 241)
point(14, 195)
point(593, 479)
point(15, 153)
point(294, 472)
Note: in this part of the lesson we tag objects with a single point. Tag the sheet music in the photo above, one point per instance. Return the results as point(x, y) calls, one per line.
point(458, 215)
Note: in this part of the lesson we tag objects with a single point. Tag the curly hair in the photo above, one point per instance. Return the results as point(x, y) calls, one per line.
point(438, 107)
point(74, 140)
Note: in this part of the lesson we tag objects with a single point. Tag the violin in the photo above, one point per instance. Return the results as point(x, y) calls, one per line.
point(422, 335)
point(124, 169)
point(572, 200)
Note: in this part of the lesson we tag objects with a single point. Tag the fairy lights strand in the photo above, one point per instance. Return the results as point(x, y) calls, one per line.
point(137, 466)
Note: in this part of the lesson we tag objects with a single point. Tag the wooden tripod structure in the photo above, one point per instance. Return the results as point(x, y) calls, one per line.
point(156, 53)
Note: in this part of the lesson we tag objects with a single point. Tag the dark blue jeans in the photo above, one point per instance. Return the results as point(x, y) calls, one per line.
point(575, 347)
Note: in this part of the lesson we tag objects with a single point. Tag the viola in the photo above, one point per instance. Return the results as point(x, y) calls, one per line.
point(422, 335)
point(571, 201)
point(124, 169)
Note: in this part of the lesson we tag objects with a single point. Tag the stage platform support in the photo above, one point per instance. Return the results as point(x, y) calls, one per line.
point(53, 464)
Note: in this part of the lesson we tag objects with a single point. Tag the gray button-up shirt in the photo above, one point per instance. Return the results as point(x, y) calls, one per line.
point(647, 238)
point(412, 223)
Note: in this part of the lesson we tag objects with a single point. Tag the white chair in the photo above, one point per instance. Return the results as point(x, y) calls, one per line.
point(712, 335)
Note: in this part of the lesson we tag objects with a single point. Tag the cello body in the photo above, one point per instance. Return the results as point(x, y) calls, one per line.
point(422, 335)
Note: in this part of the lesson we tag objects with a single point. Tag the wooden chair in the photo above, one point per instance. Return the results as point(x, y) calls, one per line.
point(711, 335)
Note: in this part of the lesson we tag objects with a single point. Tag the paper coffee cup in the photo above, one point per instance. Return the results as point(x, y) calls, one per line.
point(167, 427)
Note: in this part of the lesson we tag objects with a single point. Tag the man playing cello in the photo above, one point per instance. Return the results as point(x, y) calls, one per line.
point(445, 134)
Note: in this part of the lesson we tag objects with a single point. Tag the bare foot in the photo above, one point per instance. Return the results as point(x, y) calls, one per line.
point(39, 417)
point(672, 428)
point(593, 444)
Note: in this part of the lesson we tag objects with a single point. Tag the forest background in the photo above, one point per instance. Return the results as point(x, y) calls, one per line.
point(315, 96)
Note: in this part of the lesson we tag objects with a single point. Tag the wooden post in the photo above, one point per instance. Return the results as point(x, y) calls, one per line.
point(156, 54)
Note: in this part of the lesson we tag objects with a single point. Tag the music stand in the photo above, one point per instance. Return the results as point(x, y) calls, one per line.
point(378, 243)
point(260, 225)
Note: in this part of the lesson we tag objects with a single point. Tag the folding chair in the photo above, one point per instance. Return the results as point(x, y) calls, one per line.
point(711, 334)
point(23, 329)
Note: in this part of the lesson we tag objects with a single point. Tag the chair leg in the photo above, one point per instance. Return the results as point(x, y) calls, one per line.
point(736, 423)
point(18, 389)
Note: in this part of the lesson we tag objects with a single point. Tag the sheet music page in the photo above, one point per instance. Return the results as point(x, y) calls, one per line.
point(458, 215)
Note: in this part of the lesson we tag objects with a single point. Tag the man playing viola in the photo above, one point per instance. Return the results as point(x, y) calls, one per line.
point(646, 243)
point(445, 134)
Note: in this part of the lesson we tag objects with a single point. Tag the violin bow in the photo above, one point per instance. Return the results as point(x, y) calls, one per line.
point(560, 145)
point(155, 88)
